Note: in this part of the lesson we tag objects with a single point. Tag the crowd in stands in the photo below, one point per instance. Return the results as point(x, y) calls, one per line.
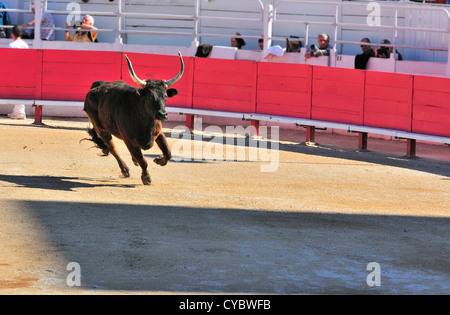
point(84, 31)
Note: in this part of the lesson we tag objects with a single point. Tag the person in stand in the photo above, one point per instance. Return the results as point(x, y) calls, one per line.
point(47, 21)
point(85, 32)
point(385, 52)
point(367, 52)
point(19, 110)
point(323, 49)
point(237, 41)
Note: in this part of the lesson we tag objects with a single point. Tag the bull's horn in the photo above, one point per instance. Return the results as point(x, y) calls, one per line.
point(179, 75)
point(138, 81)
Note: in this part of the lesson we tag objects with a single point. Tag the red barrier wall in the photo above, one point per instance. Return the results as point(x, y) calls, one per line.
point(68, 75)
point(417, 104)
point(225, 85)
point(20, 73)
point(431, 106)
point(284, 89)
point(387, 102)
point(162, 67)
point(338, 95)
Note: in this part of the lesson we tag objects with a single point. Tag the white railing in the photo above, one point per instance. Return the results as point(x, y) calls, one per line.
point(268, 17)
point(336, 24)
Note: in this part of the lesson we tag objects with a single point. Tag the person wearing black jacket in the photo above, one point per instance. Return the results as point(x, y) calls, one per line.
point(367, 52)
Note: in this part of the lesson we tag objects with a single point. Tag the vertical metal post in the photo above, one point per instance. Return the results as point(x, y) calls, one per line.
point(196, 22)
point(310, 134)
point(190, 122)
point(38, 4)
point(362, 141)
point(268, 16)
point(37, 115)
point(255, 125)
point(119, 22)
point(411, 148)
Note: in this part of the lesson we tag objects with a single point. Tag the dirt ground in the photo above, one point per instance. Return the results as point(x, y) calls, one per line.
point(311, 226)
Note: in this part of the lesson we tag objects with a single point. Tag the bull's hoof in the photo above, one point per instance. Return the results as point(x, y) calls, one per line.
point(146, 180)
point(162, 161)
point(126, 173)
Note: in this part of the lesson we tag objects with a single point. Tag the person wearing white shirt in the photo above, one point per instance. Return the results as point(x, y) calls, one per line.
point(19, 110)
point(18, 42)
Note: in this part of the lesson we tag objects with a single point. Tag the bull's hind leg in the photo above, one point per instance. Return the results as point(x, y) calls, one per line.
point(107, 138)
point(138, 157)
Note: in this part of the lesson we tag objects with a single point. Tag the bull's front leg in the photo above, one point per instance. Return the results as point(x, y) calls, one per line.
point(161, 141)
point(137, 156)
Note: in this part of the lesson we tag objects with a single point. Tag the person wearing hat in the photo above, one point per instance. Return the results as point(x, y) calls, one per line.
point(238, 42)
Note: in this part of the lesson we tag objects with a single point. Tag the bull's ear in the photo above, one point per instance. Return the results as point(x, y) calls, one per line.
point(172, 92)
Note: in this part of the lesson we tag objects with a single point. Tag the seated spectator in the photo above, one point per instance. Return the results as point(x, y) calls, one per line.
point(204, 50)
point(16, 33)
point(367, 52)
point(238, 42)
point(83, 33)
point(261, 43)
point(293, 45)
point(47, 21)
point(385, 52)
point(323, 49)
point(273, 51)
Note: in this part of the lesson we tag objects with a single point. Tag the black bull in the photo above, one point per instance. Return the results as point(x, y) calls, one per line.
point(133, 115)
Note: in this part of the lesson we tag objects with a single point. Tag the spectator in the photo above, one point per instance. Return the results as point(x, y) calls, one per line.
point(323, 49)
point(88, 36)
point(47, 21)
point(5, 19)
point(293, 45)
point(19, 110)
point(385, 52)
point(204, 50)
point(273, 51)
point(18, 42)
point(261, 43)
point(238, 42)
point(367, 52)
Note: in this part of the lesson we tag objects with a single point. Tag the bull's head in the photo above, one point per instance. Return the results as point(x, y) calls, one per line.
point(168, 92)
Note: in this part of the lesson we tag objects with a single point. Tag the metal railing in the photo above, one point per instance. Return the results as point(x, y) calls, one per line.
point(336, 24)
point(268, 17)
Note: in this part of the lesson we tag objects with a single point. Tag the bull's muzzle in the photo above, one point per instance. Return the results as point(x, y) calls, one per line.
point(162, 115)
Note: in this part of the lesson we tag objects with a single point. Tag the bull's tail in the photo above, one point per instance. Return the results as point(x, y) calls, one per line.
point(98, 141)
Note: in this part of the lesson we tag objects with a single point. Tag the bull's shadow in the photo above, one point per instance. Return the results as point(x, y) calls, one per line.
point(57, 183)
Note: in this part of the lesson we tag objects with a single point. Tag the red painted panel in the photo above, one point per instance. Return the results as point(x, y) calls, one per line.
point(431, 106)
point(338, 95)
point(388, 100)
point(284, 89)
point(162, 67)
point(68, 75)
point(20, 73)
point(225, 85)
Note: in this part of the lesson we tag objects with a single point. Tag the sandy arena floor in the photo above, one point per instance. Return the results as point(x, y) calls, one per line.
point(310, 227)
